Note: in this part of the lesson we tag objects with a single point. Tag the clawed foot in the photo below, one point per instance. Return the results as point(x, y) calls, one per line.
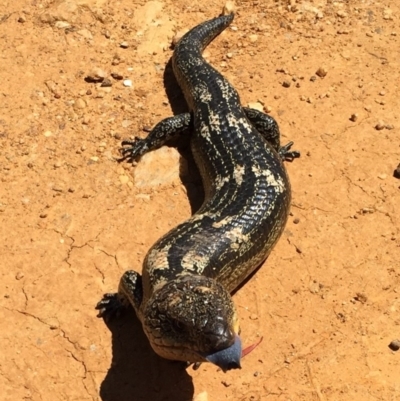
point(286, 154)
point(132, 150)
point(110, 306)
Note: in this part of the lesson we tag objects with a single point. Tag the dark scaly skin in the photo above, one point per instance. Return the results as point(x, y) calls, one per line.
point(183, 296)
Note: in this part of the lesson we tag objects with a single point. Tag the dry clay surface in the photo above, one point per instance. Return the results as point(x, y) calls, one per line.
point(72, 219)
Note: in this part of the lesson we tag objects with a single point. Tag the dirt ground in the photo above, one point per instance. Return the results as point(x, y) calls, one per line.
point(73, 220)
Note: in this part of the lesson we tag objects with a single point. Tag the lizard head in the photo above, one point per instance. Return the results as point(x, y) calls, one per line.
point(193, 319)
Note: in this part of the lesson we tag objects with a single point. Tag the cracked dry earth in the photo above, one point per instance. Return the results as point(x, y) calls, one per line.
point(73, 219)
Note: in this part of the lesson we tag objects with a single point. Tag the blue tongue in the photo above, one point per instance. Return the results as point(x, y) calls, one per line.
point(228, 358)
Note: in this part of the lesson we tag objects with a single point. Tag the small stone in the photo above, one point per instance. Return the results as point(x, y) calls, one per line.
point(126, 123)
point(85, 33)
point(253, 316)
point(203, 396)
point(380, 125)
point(19, 275)
point(226, 383)
point(106, 83)
point(21, 19)
point(256, 105)
point(387, 14)
point(178, 36)
point(117, 76)
point(62, 25)
point(267, 109)
point(57, 164)
point(321, 72)
point(396, 173)
point(47, 134)
point(229, 55)
point(395, 345)
point(97, 75)
point(341, 14)
point(71, 190)
point(79, 104)
point(94, 159)
point(389, 126)
point(313, 78)
point(382, 93)
point(124, 179)
point(229, 8)
point(253, 38)
point(286, 84)
point(124, 45)
point(43, 215)
point(354, 117)
point(127, 83)
point(296, 220)
point(368, 108)
point(382, 176)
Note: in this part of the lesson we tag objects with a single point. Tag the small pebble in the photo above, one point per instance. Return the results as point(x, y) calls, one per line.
point(79, 104)
point(382, 93)
point(19, 275)
point(253, 38)
point(177, 37)
point(296, 220)
point(106, 83)
point(228, 8)
point(341, 14)
point(396, 173)
point(124, 45)
point(229, 55)
point(203, 396)
point(62, 24)
point(286, 84)
point(43, 215)
point(395, 345)
point(47, 134)
point(126, 123)
point(389, 126)
point(22, 19)
point(354, 117)
point(382, 176)
point(256, 105)
point(117, 76)
point(313, 78)
point(380, 125)
point(321, 72)
point(253, 316)
point(267, 109)
point(96, 75)
point(127, 83)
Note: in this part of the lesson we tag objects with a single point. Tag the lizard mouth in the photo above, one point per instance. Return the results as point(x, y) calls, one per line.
point(228, 358)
